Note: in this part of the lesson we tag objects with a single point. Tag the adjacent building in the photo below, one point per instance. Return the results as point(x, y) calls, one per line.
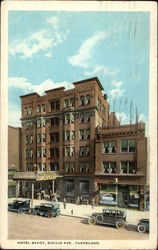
point(66, 135)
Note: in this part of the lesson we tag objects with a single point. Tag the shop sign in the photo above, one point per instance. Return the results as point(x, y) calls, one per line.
point(46, 176)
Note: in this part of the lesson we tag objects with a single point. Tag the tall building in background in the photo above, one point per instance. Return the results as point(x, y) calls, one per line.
point(66, 135)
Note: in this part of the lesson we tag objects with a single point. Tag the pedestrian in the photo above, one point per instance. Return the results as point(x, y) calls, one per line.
point(92, 202)
point(72, 211)
point(81, 200)
point(64, 203)
point(50, 194)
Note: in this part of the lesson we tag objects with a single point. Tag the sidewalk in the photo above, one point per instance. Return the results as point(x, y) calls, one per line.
point(85, 211)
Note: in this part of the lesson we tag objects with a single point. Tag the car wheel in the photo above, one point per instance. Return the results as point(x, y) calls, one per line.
point(100, 218)
point(141, 228)
point(19, 210)
point(120, 224)
point(50, 214)
point(92, 221)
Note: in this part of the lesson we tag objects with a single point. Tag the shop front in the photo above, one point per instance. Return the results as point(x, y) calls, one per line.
point(125, 196)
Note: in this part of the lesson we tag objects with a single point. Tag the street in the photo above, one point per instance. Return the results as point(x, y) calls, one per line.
point(25, 226)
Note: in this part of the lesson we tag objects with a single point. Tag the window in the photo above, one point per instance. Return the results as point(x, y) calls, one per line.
point(87, 133)
point(25, 111)
point(31, 153)
point(72, 118)
point(38, 109)
point(70, 186)
point(39, 153)
point(99, 104)
point(57, 152)
point(87, 167)
point(81, 117)
point(31, 139)
point(43, 152)
point(87, 99)
point(87, 116)
point(67, 135)
point(43, 166)
point(82, 167)
point(67, 118)
point(43, 122)
point(52, 106)
point(109, 167)
point(128, 146)
point(30, 125)
point(54, 137)
point(67, 151)
point(81, 134)
point(128, 167)
point(39, 167)
point(81, 151)
point(38, 122)
point(81, 101)
point(43, 108)
point(30, 110)
point(26, 153)
point(44, 137)
point(103, 109)
point(109, 147)
point(67, 167)
point(72, 151)
point(54, 166)
point(52, 152)
point(87, 150)
point(38, 138)
point(72, 135)
point(57, 105)
point(26, 139)
point(29, 167)
point(72, 167)
point(54, 121)
point(84, 187)
point(66, 103)
point(72, 102)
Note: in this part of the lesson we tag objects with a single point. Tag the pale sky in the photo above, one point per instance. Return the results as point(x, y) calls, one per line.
point(48, 49)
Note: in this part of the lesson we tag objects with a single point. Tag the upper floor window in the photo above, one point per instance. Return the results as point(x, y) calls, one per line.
point(81, 100)
point(43, 166)
point(25, 111)
point(43, 109)
point(67, 151)
point(29, 153)
point(82, 134)
point(43, 152)
point(66, 103)
point(72, 118)
point(81, 151)
point(87, 150)
point(43, 137)
point(81, 117)
point(87, 133)
point(72, 134)
point(38, 109)
point(87, 167)
point(67, 167)
point(72, 102)
point(54, 137)
point(84, 167)
point(67, 118)
point(54, 166)
point(38, 152)
point(31, 139)
point(55, 105)
point(99, 104)
point(109, 147)
point(28, 125)
point(87, 116)
point(128, 167)
point(29, 167)
point(30, 110)
point(54, 121)
point(109, 167)
point(128, 146)
point(72, 151)
point(26, 139)
point(38, 122)
point(87, 99)
point(38, 138)
point(103, 109)
point(67, 135)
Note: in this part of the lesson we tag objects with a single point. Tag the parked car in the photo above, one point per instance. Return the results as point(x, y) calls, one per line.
point(19, 206)
point(47, 209)
point(143, 226)
point(113, 217)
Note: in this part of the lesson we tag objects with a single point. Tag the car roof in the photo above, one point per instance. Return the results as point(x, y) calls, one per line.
point(113, 210)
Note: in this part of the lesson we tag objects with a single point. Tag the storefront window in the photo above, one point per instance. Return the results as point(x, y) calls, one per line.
point(84, 187)
point(108, 194)
point(134, 196)
point(70, 186)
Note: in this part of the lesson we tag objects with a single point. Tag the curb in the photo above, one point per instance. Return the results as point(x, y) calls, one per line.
point(74, 216)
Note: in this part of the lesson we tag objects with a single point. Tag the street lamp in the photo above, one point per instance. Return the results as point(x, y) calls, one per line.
point(35, 167)
point(116, 181)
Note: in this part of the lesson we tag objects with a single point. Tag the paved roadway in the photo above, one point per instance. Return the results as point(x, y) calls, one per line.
point(24, 227)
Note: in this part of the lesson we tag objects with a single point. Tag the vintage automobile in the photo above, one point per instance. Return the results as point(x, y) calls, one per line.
point(143, 226)
point(113, 217)
point(47, 209)
point(19, 206)
point(107, 199)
